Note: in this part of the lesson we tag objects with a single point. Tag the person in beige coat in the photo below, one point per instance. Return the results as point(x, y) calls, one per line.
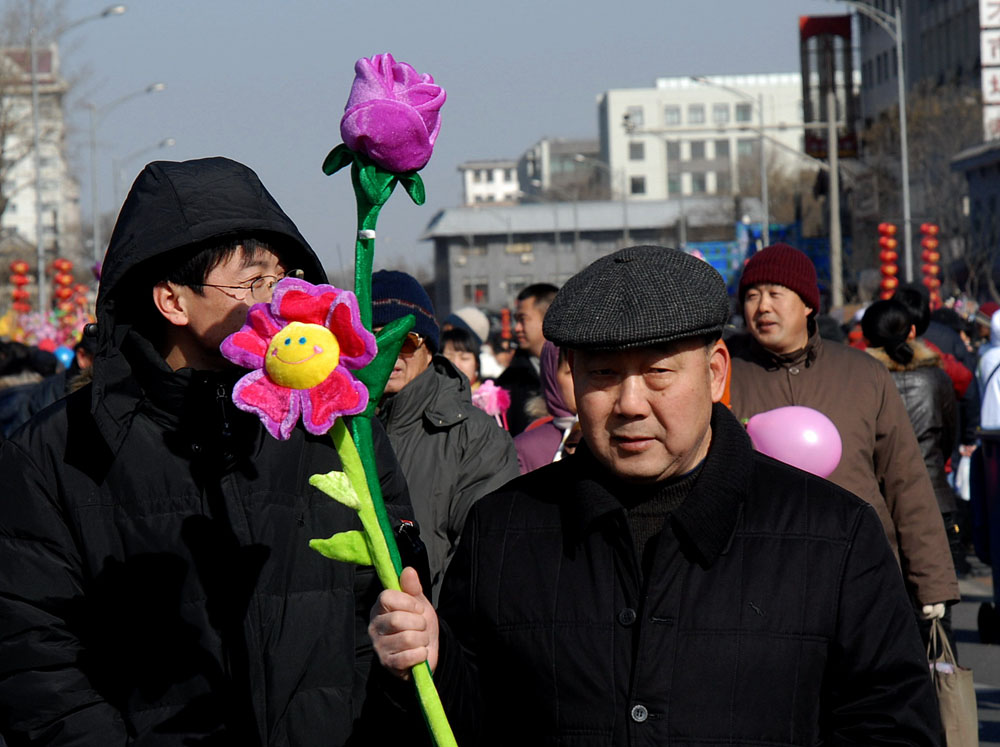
point(785, 362)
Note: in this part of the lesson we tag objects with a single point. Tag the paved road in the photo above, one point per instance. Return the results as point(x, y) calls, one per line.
point(983, 659)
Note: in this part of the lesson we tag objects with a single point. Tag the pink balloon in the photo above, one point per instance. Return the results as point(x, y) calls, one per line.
point(799, 436)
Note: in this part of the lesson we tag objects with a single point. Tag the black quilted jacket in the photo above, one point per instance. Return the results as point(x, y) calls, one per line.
point(157, 587)
point(774, 614)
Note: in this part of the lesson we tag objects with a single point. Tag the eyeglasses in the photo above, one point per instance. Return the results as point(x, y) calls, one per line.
point(260, 289)
point(411, 344)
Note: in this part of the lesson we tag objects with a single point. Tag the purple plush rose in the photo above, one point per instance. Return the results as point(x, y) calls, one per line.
point(393, 114)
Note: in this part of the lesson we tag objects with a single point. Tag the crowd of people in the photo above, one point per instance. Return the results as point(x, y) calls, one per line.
point(595, 553)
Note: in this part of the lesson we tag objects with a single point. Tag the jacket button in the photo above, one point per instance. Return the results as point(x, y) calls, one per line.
point(195, 448)
point(626, 616)
point(639, 713)
point(794, 370)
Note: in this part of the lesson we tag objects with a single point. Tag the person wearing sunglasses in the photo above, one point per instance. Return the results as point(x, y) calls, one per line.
point(159, 586)
point(451, 452)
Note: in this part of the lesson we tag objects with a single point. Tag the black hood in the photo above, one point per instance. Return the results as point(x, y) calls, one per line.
point(173, 206)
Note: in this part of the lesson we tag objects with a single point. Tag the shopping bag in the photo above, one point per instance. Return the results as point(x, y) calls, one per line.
point(956, 692)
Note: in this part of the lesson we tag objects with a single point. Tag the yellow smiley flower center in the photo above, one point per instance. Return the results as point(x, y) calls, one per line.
point(301, 355)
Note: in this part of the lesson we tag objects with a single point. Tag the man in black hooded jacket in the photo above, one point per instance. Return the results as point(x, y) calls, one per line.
point(158, 587)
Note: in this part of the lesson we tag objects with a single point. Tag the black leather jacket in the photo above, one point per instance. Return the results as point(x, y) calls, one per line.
point(929, 398)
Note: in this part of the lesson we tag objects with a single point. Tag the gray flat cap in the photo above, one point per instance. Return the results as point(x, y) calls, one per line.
point(638, 296)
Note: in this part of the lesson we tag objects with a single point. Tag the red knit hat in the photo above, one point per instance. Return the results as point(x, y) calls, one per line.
point(781, 264)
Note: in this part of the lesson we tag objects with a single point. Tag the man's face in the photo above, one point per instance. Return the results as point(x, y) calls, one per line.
point(414, 358)
point(646, 413)
point(215, 313)
point(528, 325)
point(777, 317)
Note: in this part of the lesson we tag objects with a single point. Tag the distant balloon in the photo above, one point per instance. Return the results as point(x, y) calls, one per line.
point(65, 355)
point(799, 436)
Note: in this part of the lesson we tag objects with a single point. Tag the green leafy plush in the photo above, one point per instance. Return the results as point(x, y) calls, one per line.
point(358, 485)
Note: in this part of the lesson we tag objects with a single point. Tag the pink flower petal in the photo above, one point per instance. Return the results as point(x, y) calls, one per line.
point(276, 406)
point(248, 346)
point(338, 394)
point(357, 344)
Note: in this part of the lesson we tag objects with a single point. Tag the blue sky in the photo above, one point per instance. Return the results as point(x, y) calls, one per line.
point(266, 82)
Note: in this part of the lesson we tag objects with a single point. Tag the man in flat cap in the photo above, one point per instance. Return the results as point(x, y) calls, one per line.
point(665, 584)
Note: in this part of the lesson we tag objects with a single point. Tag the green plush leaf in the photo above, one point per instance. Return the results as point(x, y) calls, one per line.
point(376, 183)
point(337, 159)
point(337, 486)
point(414, 186)
point(348, 547)
point(389, 341)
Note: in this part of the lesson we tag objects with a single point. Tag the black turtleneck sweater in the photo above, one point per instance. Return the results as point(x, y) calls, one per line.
point(647, 509)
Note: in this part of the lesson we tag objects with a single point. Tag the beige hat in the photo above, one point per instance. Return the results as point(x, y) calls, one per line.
point(471, 319)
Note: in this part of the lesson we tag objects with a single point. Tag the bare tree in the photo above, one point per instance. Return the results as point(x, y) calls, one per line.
point(16, 128)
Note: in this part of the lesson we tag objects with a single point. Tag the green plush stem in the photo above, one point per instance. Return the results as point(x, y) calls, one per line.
point(376, 522)
point(430, 703)
point(372, 187)
point(364, 253)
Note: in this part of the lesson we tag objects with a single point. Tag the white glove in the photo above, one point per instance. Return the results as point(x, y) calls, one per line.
point(932, 611)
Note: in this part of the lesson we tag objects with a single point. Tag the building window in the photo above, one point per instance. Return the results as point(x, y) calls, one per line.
point(508, 175)
point(636, 151)
point(673, 151)
point(672, 115)
point(673, 184)
point(723, 183)
point(489, 176)
point(744, 112)
point(698, 184)
point(477, 176)
point(638, 185)
point(476, 291)
point(745, 147)
point(635, 118)
point(697, 150)
point(696, 114)
point(722, 149)
point(720, 113)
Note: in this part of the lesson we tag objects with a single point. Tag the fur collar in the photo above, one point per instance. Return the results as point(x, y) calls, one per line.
point(923, 357)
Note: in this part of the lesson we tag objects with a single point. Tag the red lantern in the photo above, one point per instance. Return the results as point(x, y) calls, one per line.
point(887, 255)
point(63, 293)
point(20, 279)
point(19, 294)
point(890, 270)
point(19, 267)
point(887, 229)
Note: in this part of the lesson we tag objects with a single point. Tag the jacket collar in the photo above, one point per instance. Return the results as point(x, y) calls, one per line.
point(706, 521)
point(136, 378)
point(437, 396)
point(802, 357)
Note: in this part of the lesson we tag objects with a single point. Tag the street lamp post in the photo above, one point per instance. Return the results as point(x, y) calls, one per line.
point(893, 26)
point(580, 158)
point(114, 10)
point(97, 115)
point(765, 224)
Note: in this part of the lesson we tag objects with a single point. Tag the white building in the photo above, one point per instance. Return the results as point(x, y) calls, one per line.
point(60, 194)
point(685, 137)
point(489, 181)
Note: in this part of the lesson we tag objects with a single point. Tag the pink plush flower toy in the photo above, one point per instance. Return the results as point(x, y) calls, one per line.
point(302, 347)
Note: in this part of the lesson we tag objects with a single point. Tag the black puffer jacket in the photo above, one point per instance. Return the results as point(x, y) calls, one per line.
point(774, 614)
point(157, 584)
point(929, 397)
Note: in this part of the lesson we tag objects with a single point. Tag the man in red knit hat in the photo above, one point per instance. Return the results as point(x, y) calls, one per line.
point(787, 363)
